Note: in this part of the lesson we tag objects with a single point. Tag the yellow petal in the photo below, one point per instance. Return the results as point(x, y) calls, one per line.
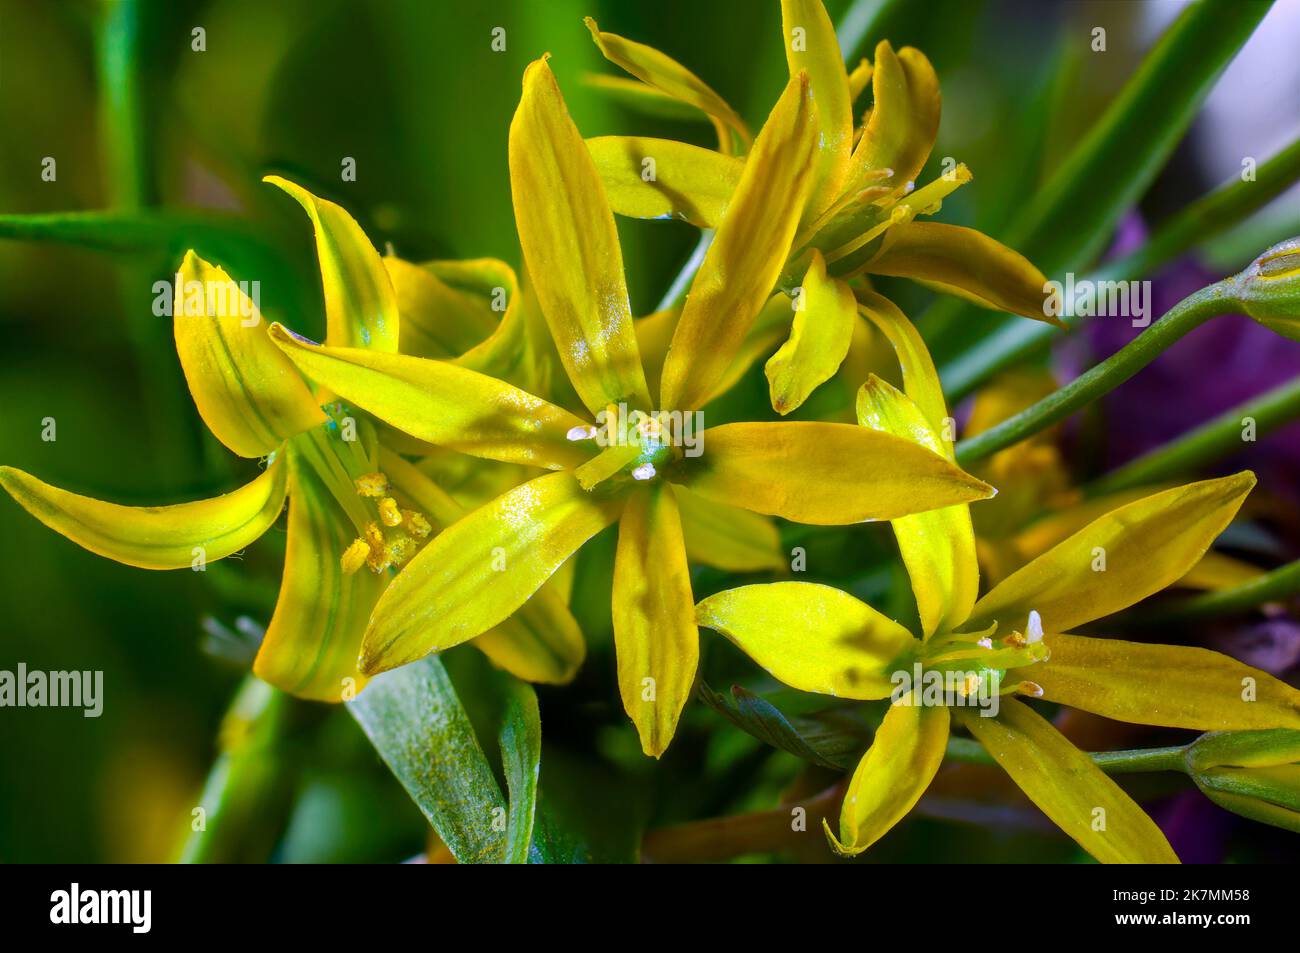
point(643, 98)
point(811, 46)
point(819, 339)
point(1143, 546)
point(728, 537)
point(891, 777)
point(311, 646)
point(1174, 686)
point(155, 537)
point(937, 547)
point(920, 378)
point(811, 637)
point(1067, 786)
point(671, 78)
point(249, 394)
point(520, 351)
point(904, 118)
point(747, 255)
point(965, 262)
point(662, 178)
point(1217, 571)
point(542, 641)
point(477, 572)
point(437, 321)
point(571, 247)
point(654, 618)
point(859, 79)
point(826, 474)
point(360, 306)
point(443, 404)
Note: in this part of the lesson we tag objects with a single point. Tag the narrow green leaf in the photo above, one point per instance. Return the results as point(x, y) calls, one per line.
point(417, 724)
point(521, 757)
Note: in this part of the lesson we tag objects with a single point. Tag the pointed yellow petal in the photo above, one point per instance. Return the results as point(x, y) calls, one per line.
point(965, 262)
point(654, 617)
point(728, 537)
point(662, 178)
point(477, 572)
point(811, 46)
point(311, 646)
point(903, 759)
point(742, 265)
point(1117, 560)
point(937, 547)
point(443, 404)
point(249, 394)
point(571, 247)
point(360, 306)
point(819, 339)
point(1175, 686)
point(670, 77)
point(1067, 786)
point(437, 321)
point(811, 637)
point(904, 118)
point(155, 537)
point(920, 378)
point(539, 643)
point(643, 98)
point(859, 79)
point(826, 474)
point(1217, 571)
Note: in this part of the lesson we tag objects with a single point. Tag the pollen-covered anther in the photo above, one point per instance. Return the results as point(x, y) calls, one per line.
point(1032, 689)
point(372, 485)
point(645, 471)
point(1016, 640)
point(389, 513)
point(378, 558)
point(416, 524)
point(354, 557)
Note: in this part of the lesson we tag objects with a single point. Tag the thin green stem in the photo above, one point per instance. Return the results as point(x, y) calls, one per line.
point(1281, 583)
point(1210, 215)
point(1188, 314)
point(970, 751)
point(676, 292)
point(1211, 440)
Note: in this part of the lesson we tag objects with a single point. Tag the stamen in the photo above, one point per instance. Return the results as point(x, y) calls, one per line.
point(1034, 631)
point(354, 557)
point(389, 513)
point(645, 471)
point(417, 524)
point(371, 485)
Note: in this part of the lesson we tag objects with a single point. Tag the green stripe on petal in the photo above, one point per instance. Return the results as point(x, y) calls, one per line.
point(479, 571)
point(248, 393)
point(156, 537)
point(360, 305)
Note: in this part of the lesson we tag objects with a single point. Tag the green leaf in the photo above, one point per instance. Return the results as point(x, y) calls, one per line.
point(521, 756)
point(417, 724)
point(1069, 222)
point(802, 737)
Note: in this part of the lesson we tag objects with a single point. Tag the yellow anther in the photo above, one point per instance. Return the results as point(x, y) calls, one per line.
point(416, 524)
point(372, 485)
point(354, 557)
point(389, 513)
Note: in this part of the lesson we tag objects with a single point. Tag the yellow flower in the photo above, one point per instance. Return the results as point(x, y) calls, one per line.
point(859, 216)
point(972, 656)
point(481, 570)
point(346, 488)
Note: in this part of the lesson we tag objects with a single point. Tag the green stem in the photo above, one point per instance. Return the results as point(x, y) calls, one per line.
point(1281, 583)
point(1211, 440)
point(676, 292)
point(970, 751)
point(1210, 215)
point(1188, 314)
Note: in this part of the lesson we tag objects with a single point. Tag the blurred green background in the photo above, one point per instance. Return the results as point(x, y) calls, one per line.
point(135, 118)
